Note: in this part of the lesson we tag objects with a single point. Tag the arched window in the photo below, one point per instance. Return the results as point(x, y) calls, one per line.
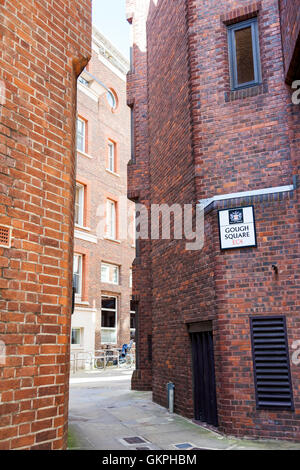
point(111, 98)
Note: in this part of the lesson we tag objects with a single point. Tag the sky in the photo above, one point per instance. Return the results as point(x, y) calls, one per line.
point(109, 17)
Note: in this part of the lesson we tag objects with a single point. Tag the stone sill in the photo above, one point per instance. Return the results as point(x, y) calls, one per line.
point(84, 154)
point(112, 172)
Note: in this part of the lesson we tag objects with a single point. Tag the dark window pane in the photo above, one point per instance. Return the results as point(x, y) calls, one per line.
point(76, 283)
point(132, 320)
point(109, 302)
point(108, 319)
point(132, 335)
point(244, 55)
point(75, 336)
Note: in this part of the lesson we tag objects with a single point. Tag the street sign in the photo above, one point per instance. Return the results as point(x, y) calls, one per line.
point(237, 228)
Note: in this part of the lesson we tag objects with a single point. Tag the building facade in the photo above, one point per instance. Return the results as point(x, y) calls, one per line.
point(216, 124)
point(44, 49)
point(104, 237)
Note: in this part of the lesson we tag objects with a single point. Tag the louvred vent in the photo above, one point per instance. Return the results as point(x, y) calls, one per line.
point(271, 362)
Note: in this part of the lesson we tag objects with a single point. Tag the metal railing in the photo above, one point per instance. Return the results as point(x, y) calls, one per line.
point(81, 360)
point(101, 359)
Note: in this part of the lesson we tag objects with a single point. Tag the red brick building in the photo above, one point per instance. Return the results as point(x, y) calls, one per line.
point(215, 125)
point(45, 46)
point(104, 236)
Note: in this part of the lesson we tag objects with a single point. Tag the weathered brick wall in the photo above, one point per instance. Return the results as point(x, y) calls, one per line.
point(44, 48)
point(104, 124)
point(138, 187)
point(290, 24)
point(205, 140)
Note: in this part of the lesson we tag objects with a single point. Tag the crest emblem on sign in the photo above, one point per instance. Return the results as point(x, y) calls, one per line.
point(236, 216)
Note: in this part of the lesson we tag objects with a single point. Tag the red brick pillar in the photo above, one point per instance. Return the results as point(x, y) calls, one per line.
point(44, 48)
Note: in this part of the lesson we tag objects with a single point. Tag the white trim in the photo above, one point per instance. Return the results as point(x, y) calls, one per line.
point(80, 344)
point(111, 219)
point(85, 236)
point(112, 172)
point(83, 136)
point(109, 50)
point(115, 310)
point(111, 239)
point(82, 227)
point(78, 295)
point(84, 154)
point(84, 309)
point(110, 267)
point(255, 192)
point(111, 155)
point(87, 91)
point(80, 203)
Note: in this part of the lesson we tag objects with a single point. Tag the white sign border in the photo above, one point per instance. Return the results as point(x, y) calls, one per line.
point(254, 226)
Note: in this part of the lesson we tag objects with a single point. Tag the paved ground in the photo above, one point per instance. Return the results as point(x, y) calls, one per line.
point(104, 412)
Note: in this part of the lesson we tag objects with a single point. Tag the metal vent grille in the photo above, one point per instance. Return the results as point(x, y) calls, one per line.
point(4, 236)
point(271, 363)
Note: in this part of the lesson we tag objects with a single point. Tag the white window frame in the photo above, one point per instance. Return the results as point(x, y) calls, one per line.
point(78, 295)
point(111, 220)
point(111, 98)
point(111, 270)
point(106, 329)
point(80, 344)
point(80, 204)
point(132, 329)
point(82, 136)
point(111, 156)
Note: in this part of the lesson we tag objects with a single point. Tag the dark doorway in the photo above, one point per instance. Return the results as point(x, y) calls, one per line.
point(205, 402)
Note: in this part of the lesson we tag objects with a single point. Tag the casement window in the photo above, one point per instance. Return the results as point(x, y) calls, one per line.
point(77, 275)
point(110, 273)
point(76, 336)
point(108, 320)
point(111, 156)
point(243, 42)
point(271, 363)
point(132, 320)
point(111, 221)
point(79, 204)
point(81, 135)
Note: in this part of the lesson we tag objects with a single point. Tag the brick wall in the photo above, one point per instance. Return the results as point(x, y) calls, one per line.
point(138, 188)
point(103, 125)
point(203, 139)
point(44, 48)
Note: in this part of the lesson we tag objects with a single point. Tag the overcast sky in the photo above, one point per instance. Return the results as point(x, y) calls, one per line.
point(109, 17)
